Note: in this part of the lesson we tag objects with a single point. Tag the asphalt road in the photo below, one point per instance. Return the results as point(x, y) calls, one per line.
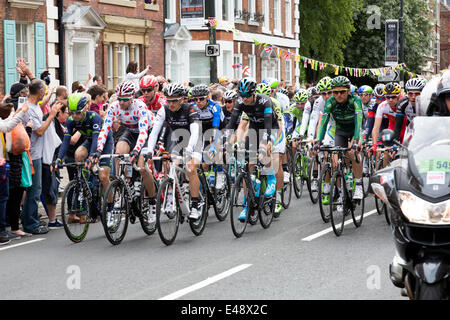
point(291, 260)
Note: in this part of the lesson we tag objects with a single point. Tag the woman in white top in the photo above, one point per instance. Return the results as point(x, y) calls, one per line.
point(132, 74)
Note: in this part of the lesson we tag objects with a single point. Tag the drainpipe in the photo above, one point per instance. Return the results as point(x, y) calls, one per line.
point(62, 72)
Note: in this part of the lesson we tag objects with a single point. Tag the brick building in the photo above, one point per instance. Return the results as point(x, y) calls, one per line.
point(270, 21)
point(23, 34)
point(445, 35)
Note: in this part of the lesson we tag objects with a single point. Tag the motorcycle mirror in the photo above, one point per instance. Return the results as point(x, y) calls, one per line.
point(387, 137)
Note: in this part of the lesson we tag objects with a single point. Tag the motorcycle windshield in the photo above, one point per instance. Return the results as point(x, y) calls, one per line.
point(429, 155)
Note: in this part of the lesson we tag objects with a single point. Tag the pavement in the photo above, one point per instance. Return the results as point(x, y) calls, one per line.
point(297, 258)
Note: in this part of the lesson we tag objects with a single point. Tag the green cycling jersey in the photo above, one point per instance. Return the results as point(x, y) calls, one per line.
point(348, 116)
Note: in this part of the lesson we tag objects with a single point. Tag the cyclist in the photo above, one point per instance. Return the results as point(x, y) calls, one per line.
point(152, 99)
point(88, 124)
point(183, 122)
point(407, 106)
point(261, 114)
point(387, 110)
point(440, 101)
point(372, 110)
point(230, 97)
point(282, 173)
point(136, 121)
point(299, 110)
point(346, 109)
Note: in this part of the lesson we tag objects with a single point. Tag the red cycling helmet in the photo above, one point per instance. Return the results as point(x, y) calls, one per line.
point(148, 81)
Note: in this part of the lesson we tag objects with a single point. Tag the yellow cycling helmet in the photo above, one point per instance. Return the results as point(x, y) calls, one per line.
point(392, 88)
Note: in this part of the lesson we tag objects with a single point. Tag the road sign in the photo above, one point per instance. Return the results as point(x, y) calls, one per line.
point(390, 76)
point(212, 50)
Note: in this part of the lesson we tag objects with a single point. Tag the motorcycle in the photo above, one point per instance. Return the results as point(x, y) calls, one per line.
point(416, 189)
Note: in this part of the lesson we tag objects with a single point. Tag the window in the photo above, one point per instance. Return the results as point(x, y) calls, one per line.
point(252, 9)
point(237, 71)
point(252, 65)
point(199, 67)
point(277, 15)
point(288, 72)
point(270, 68)
point(137, 55)
point(22, 41)
point(266, 12)
point(123, 57)
point(225, 10)
point(227, 65)
point(170, 11)
point(237, 8)
point(288, 17)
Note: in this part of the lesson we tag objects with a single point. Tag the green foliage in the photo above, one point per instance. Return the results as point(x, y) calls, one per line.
point(366, 47)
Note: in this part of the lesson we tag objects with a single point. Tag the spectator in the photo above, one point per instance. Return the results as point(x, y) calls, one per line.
point(224, 82)
point(50, 181)
point(29, 214)
point(132, 74)
point(217, 96)
point(77, 87)
point(7, 123)
point(62, 93)
point(98, 98)
point(45, 76)
point(98, 81)
point(17, 90)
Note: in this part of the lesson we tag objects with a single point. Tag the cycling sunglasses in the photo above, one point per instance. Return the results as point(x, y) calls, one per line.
point(327, 93)
point(340, 91)
point(124, 99)
point(414, 94)
point(391, 97)
point(173, 100)
point(246, 95)
point(200, 99)
point(229, 101)
point(148, 89)
point(364, 94)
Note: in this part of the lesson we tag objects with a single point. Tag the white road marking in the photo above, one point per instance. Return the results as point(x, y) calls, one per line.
point(330, 229)
point(21, 244)
point(205, 283)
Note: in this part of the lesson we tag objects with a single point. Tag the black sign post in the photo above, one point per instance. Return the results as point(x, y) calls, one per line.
point(391, 42)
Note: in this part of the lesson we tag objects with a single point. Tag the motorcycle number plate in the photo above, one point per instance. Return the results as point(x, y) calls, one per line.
point(435, 177)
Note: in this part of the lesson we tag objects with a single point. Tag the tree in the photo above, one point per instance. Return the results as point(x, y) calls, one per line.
point(325, 28)
point(366, 48)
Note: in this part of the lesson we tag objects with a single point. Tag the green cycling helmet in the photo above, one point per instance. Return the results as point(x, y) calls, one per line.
point(324, 84)
point(77, 101)
point(340, 81)
point(301, 96)
point(271, 82)
point(263, 88)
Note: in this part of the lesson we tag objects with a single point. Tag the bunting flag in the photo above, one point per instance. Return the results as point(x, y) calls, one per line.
point(237, 66)
point(246, 71)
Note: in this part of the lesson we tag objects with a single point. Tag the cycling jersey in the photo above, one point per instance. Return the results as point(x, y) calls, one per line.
point(136, 119)
point(348, 116)
point(405, 114)
point(89, 127)
point(210, 116)
point(226, 116)
point(158, 102)
point(384, 111)
point(183, 118)
point(317, 110)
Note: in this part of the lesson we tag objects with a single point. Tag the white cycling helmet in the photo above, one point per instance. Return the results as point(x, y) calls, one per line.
point(415, 84)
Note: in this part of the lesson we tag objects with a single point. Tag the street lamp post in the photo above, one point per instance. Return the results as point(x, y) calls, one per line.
point(212, 40)
point(402, 40)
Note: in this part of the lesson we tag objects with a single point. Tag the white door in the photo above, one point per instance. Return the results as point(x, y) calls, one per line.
point(81, 62)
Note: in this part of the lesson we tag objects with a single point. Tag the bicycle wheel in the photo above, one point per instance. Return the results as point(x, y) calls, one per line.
point(297, 174)
point(313, 180)
point(144, 207)
point(168, 212)
point(286, 191)
point(366, 171)
point(358, 208)
point(337, 203)
point(197, 226)
point(222, 197)
point(115, 212)
point(324, 199)
point(380, 205)
point(239, 200)
point(74, 205)
point(266, 206)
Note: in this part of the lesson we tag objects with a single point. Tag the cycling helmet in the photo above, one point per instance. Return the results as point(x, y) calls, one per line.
point(365, 89)
point(340, 81)
point(301, 96)
point(200, 90)
point(415, 84)
point(126, 88)
point(444, 84)
point(283, 91)
point(378, 91)
point(174, 90)
point(189, 94)
point(77, 101)
point(312, 91)
point(392, 88)
point(230, 95)
point(263, 88)
point(186, 92)
point(148, 82)
point(247, 86)
point(272, 82)
point(324, 84)
point(352, 89)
